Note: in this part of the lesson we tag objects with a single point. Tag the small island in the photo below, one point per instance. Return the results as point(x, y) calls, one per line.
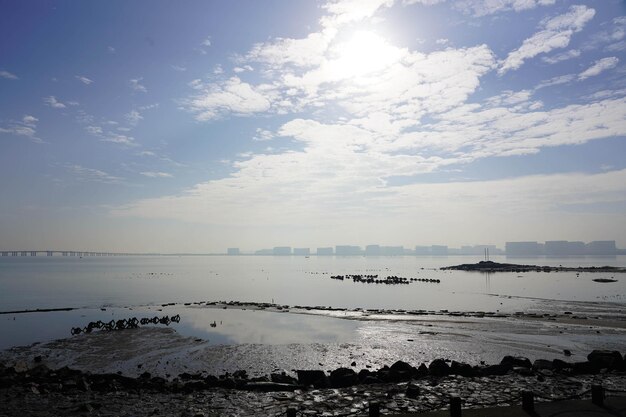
point(490, 266)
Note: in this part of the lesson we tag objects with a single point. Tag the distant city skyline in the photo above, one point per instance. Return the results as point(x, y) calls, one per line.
point(212, 124)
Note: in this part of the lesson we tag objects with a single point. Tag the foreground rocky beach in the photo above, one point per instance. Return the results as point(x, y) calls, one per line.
point(36, 390)
point(405, 361)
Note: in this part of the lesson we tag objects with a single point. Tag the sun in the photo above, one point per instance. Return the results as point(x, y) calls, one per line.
point(365, 53)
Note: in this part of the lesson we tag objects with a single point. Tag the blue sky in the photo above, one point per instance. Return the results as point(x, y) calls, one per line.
point(160, 126)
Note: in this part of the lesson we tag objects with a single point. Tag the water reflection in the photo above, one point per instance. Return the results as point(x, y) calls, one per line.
point(234, 326)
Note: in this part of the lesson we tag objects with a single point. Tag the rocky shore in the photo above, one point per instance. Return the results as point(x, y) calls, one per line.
point(35, 389)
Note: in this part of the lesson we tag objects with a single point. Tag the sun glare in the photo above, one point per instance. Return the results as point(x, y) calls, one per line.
point(363, 54)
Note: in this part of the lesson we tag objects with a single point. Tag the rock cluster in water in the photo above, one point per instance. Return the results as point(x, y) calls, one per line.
point(123, 324)
point(388, 280)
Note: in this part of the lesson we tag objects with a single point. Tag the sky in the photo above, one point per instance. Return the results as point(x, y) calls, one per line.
point(192, 127)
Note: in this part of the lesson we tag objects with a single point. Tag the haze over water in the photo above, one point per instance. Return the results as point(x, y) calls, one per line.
point(57, 282)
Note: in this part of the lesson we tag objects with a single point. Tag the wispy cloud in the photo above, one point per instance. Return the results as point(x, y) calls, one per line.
point(26, 127)
point(53, 102)
point(82, 173)
point(486, 7)
point(118, 139)
point(232, 96)
point(136, 85)
point(179, 68)
point(564, 56)
point(598, 67)
point(8, 75)
point(133, 117)
point(153, 174)
point(555, 33)
point(111, 49)
point(84, 79)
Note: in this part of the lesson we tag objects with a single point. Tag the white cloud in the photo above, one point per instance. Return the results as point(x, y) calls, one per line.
point(111, 49)
point(133, 117)
point(94, 130)
point(487, 7)
point(263, 135)
point(135, 85)
point(206, 41)
point(152, 174)
point(120, 139)
point(341, 12)
point(84, 79)
point(561, 79)
point(8, 75)
point(424, 2)
point(178, 68)
point(26, 127)
point(556, 33)
point(53, 102)
point(232, 96)
point(30, 120)
point(82, 173)
point(598, 67)
point(564, 56)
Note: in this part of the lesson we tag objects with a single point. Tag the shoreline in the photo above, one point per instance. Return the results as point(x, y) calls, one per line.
point(37, 390)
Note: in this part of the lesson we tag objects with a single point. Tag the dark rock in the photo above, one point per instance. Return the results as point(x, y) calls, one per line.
point(211, 380)
point(567, 352)
point(421, 371)
point(228, 383)
point(242, 374)
point(495, 370)
point(283, 378)
point(364, 373)
point(512, 361)
point(401, 371)
point(462, 369)
point(353, 364)
point(313, 377)
point(580, 368)
point(606, 359)
point(270, 386)
point(439, 367)
point(145, 375)
point(343, 377)
point(37, 359)
point(195, 386)
point(412, 391)
point(559, 365)
point(542, 364)
point(370, 379)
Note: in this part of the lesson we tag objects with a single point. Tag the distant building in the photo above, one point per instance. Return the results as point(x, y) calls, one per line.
point(232, 251)
point(392, 250)
point(346, 250)
point(325, 252)
point(372, 250)
point(564, 248)
point(301, 251)
point(601, 247)
point(281, 251)
point(422, 250)
point(439, 250)
point(524, 249)
point(264, 252)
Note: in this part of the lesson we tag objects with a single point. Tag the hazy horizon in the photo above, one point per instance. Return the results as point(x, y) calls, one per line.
point(160, 127)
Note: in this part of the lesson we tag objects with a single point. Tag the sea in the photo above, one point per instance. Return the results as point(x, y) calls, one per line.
point(104, 288)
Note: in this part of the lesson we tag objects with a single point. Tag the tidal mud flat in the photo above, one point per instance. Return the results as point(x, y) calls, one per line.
point(219, 360)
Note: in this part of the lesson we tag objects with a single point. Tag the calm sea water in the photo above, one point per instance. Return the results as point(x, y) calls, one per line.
point(121, 287)
point(44, 282)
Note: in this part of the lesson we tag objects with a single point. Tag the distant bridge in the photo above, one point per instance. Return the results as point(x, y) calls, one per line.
point(63, 253)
